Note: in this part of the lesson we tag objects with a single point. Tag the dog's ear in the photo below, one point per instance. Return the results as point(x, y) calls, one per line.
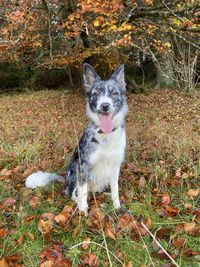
point(118, 76)
point(89, 77)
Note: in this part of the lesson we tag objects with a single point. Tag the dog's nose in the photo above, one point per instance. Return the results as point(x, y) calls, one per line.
point(105, 106)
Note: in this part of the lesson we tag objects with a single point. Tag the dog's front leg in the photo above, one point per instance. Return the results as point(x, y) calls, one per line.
point(115, 189)
point(82, 197)
point(83, 174)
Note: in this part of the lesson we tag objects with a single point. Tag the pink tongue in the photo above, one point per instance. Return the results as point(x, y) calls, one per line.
point(106, 123)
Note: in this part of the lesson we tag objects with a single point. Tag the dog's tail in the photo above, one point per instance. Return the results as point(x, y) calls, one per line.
point(41, 179)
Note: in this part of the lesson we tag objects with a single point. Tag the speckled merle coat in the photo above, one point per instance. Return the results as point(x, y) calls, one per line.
point(96, 162)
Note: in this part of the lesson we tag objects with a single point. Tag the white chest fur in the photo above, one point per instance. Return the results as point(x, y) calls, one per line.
point(105, 161)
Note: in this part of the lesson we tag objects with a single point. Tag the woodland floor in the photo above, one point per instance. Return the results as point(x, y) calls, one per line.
point(159, 184)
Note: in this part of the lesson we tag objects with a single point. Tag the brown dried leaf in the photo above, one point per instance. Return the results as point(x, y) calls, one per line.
point(60, 219)
point(4, 263)
point(45, 227)
point(193, 193)
point(129, 264)
point(97, 218)
point(31, 236)
point(142, 182)
point(90, 260)
point(163, 233)
point(196, 213)
point(5, 172)
point(178, 173)
point(162, 254)
point(3, 232)
point(48, 216)
point(165, 200)
point(188, 252)
point(109, 232)
point(189, 227)
point(187, 206)
point(179, 243)
point(140, 229)
point(15, 257)
point(171, 211)
point(35, 202)
point(46, 264)
point(29, 218)
point(53, 256)
point(86, 243)
point(132, 167)
point(9, 202)
point(20, 240)
point(126, 223)
point(148, 223)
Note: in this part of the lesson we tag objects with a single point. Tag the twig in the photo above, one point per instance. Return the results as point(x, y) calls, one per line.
point(159, 245)
point(92, 242)
point(104, 238)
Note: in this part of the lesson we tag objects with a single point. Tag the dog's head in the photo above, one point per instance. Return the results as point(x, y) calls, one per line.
point(106, 105)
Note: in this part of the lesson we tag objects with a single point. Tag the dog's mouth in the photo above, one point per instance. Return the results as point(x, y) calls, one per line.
point(106, 122)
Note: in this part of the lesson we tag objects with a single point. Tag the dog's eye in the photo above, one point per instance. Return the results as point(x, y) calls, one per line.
point(95, 94)
point(115, 93)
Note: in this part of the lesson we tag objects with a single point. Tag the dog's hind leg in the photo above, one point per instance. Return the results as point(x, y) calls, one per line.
point(115, 189)
point(82, 197)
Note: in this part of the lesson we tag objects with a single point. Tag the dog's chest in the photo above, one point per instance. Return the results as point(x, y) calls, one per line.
point(105, 161)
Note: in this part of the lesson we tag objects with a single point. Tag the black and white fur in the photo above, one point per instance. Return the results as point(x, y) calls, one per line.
point(96, 162)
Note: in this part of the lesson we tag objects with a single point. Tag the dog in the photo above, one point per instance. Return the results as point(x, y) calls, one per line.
point(96, 162)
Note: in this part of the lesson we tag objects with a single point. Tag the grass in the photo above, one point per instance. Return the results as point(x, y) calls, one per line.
point(162, 157)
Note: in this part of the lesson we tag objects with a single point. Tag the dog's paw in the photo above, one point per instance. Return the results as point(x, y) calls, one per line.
point(122, 210)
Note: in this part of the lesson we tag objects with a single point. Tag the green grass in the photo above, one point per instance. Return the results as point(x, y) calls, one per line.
point(40, 134)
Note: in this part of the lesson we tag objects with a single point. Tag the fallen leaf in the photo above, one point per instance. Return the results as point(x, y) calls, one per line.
point(189, 227)
point(196, 213)
point(129, 264)
point(162, 254)
point(132, 167)
point(148, 223)
point(29, 218)
point(178, 173)
point(48, 216)
point(178, 243)
point(5, 172)
point(96, 218)
point(109, 232)
point(90, 260)
point(31, 236)
point(126, 223)
point(142, 182)
point(140, 229)
point(9, 202)
point(163, 233)
point(35, 202)
point(187, 206)
point(3, 263)
point(86, 243)
point(46, 264)
point(188, 252)
point(61, 219)
point(171, 211)
point(15, 257)
point(45, 227)
point(53, 256)
point(165, 200)
point(3, 232)
point(20, 240)
point(193, 193)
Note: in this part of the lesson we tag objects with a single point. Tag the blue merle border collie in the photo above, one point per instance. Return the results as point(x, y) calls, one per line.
point(96, 161)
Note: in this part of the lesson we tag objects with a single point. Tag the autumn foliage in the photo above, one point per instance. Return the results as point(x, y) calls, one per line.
point(60, 34)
